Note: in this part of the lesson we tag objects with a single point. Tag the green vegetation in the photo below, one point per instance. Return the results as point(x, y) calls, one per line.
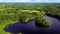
point(53, 10)
point(11, 17)
point(40, 22)
point(6, 19)
point(12, 13)
point(27, 15)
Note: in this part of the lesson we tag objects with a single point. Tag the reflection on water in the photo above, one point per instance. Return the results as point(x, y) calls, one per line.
point(30, 27)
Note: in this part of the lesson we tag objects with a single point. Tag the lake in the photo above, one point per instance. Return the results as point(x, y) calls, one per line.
point(31, 28)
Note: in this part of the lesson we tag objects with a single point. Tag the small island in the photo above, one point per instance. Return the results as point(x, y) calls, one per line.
point(40, 22)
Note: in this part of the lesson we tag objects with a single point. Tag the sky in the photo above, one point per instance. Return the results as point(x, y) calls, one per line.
point(55, 1)
point(40, 1)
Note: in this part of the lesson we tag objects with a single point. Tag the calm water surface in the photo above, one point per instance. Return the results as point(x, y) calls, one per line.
point(30, 27)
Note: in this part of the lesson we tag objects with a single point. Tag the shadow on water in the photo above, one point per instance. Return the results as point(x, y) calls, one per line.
point(30, 27)
point(54, 16)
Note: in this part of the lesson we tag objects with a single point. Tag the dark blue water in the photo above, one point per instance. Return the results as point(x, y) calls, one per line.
point(30, 27)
